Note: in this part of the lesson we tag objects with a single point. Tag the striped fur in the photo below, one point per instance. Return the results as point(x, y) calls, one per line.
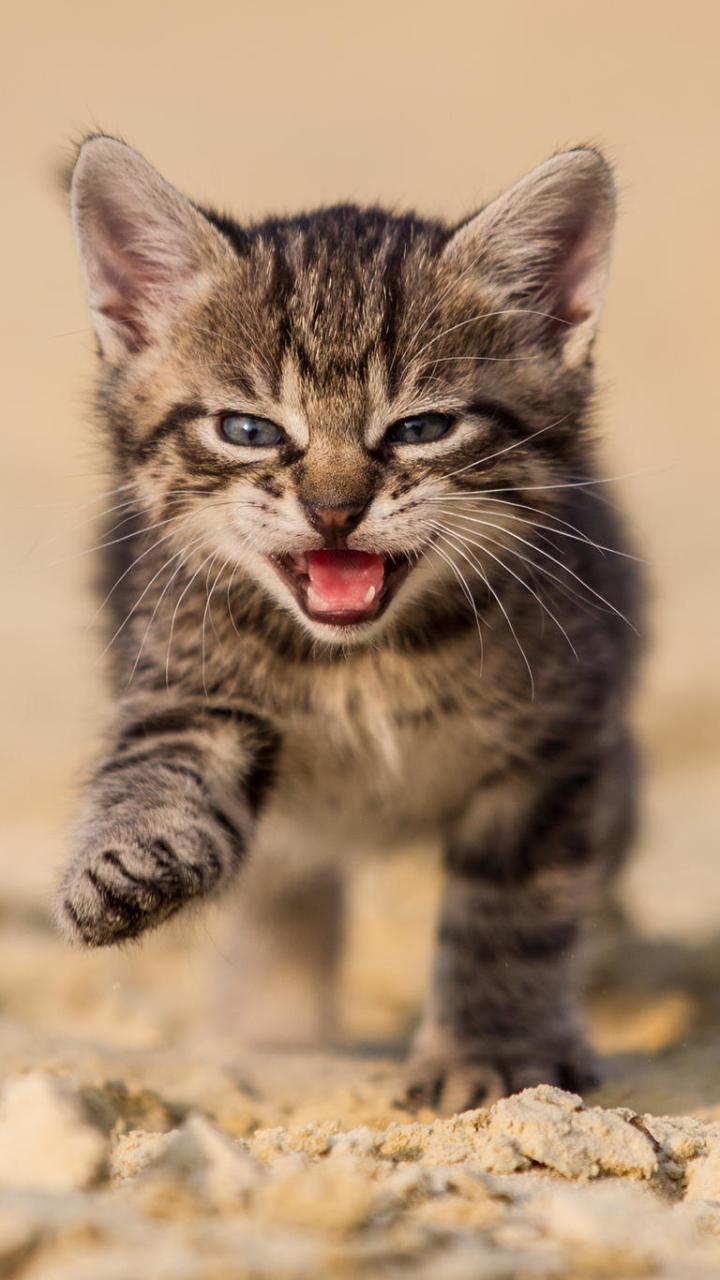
point(485, 706)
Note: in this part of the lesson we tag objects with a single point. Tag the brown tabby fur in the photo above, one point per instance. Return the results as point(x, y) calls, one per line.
point(486, 707)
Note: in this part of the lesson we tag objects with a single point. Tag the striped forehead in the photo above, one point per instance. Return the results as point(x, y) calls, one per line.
point(343, 407)
point(332, 311)
point(336, 324)
point(333, 287)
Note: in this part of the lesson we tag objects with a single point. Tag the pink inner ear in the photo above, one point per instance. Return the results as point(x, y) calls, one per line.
point(576, 271)
point(120, 291)
point(580, 278)
point(132, 271)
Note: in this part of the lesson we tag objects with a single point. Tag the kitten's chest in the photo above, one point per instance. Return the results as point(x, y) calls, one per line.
point(371, 767)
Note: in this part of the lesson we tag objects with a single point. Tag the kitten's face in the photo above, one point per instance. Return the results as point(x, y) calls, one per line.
point(316, 402)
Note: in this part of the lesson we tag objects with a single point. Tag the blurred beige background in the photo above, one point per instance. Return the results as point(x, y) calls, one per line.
point(273, 107)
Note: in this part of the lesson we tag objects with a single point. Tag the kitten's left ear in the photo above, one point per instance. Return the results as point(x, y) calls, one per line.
point(546, 242)
point(145, 249)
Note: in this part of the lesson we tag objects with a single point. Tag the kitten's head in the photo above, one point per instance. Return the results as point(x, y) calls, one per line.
point(315, 403)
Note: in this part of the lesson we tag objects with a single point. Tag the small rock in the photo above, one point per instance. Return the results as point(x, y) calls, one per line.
point(616, 1225)
point(46, 1141)
point(335, 1196)
point(704, 1177)
point(554, 1129)
point(19, 1233)
point(133, 1151)
point(206, 1160)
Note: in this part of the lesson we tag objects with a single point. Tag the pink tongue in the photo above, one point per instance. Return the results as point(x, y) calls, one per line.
point(343, 581)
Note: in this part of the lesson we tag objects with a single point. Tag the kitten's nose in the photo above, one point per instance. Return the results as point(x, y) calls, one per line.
point(336, 522)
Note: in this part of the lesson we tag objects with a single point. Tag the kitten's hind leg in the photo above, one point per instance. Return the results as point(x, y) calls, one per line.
point(278, 967)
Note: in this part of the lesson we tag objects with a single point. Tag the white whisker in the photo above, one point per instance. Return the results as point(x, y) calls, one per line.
point(559, 563)
point(185, 553)
point(181, 597)
point(487, 315)
point(516, 576)
point(135, 533)
point(482, 359)
point(469, 595)
point(208, 608)
point(534, 524)
point(229, 604)
point(526, 488)
point(548, 574)
point(550, 515)
point(473, 561)
point(508, 447)
point(139, 601)
point(124, 574)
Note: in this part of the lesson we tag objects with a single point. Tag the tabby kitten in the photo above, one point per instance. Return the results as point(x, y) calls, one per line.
point(364, 590)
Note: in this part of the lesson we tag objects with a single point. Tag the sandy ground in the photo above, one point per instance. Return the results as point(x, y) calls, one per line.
point(139, 1138)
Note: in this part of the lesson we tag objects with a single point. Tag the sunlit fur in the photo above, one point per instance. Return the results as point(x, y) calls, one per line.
point(486, 706)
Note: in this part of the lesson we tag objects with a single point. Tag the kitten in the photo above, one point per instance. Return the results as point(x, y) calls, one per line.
point(364, 589)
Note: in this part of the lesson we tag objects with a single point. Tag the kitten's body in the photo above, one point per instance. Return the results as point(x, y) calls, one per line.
point(480, 697)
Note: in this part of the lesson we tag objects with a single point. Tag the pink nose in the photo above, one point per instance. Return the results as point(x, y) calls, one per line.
point(341, 519)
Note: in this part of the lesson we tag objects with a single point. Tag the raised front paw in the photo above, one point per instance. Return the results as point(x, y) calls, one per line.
point(453, 1083)
point(128, 879)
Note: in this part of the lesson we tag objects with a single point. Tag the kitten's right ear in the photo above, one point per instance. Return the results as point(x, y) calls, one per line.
point(545, 244)
point(145, 249)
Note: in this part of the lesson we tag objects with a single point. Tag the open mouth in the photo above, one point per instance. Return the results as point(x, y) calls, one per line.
point(342, 588)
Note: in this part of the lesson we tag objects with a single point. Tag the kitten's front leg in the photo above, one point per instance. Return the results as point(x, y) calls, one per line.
point(504, 1012)
point(166, 818)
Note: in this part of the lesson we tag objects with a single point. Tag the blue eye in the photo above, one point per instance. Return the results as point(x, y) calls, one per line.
point(423, 428)
point(244, 428)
